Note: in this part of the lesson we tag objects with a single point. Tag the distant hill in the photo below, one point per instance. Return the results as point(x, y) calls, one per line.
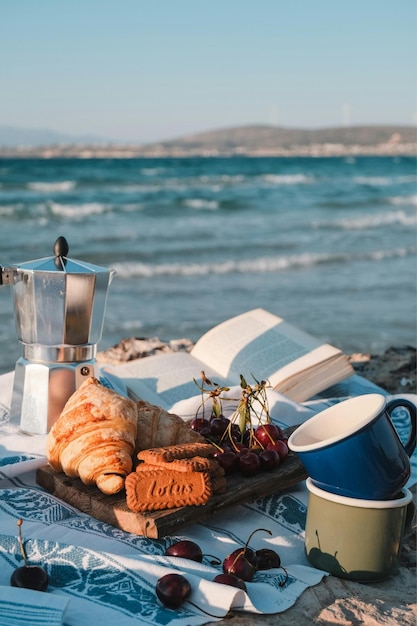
point(255, 140)
point(270, 137)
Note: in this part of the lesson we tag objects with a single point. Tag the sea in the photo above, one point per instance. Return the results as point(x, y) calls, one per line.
point(329, 244)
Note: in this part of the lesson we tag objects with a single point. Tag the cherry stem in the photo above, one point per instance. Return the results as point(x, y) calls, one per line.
point(256, 531)
point(283, 582)
point(214, 559)
point(239, 555)
point(22, 547)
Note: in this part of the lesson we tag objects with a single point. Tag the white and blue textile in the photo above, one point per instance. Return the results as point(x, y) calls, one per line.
point(102, 575)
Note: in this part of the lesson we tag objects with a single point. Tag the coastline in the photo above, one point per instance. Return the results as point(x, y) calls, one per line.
point(254, 140)
point(157, 152)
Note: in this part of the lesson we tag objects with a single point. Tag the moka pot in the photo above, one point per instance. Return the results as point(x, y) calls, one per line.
point(59, 305)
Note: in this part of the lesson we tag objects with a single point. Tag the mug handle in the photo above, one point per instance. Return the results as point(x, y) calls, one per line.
point(393, 404)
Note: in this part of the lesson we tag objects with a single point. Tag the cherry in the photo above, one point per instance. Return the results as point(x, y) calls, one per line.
point(224, 447)
point(243, 562)
point(173, 590)
point(268, 433)
point(240, 448)
point(249, 464)
point(247, 437)
point(228, 461)
point(267, 558)
point(235, 432)
point(281, 447)
point(230, 579)
point(198, 423)
point(269, 459)
point(28, 576)
point(219, 425)
point(185, 549)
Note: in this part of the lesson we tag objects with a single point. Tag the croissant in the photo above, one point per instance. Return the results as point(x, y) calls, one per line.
point(158, 428)
point(94, 437)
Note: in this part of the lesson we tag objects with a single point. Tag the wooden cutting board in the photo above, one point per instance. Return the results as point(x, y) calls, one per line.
point(153, 524)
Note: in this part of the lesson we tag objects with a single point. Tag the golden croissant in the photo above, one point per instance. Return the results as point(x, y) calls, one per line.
point(94, 437)
point(158, 428)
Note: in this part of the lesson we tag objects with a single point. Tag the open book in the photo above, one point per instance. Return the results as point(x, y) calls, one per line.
point(255, 344)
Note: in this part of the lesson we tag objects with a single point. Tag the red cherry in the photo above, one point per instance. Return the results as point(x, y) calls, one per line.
point(173, 590)
point(267, 559)
point(281, 447)
point(198, 423)
point(249, 464)
point(228, 461)
point(268, 433)
point(230, 579)
point(269, 459)
point(247, 438)
point(185, 549)
point(219, 425)
point(243, 562)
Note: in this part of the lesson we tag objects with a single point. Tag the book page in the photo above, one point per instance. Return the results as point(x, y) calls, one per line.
point(321, 360)
point(321, 370)
point(163, 379)
point(257, 343)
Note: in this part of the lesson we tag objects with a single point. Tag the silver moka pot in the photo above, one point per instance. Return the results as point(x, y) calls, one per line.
point(59, 305)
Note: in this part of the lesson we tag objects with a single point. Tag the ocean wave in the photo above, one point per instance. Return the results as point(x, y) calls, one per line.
point(7, 210)
point(370, 221)
point(151, 171)
point(64, 185)
point(375, 181)
point(201, 204)
point(288, 179)
point(76, 210)
point(382, 181)
point(403, 199)
point(261, 265)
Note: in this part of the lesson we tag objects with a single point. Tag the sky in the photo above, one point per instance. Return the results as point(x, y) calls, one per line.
point(148, 70)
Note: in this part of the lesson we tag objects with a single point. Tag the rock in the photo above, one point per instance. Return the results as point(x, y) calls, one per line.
point(138, 347)
point(394, 370)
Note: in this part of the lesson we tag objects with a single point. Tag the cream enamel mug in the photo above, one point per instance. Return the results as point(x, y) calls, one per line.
point(355, 538)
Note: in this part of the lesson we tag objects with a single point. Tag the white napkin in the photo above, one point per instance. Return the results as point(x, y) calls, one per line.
point(282, 410)
point(25, 606)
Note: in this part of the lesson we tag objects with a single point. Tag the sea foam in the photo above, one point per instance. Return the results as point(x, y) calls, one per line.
point(403, 200)
point(365, 222)
point(76, 211)
point(288, 179)
point(201, 204)
point(45, 187)
point(261, 265)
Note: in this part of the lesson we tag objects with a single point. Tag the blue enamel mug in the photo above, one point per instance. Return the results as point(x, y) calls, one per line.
point(353, 449)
